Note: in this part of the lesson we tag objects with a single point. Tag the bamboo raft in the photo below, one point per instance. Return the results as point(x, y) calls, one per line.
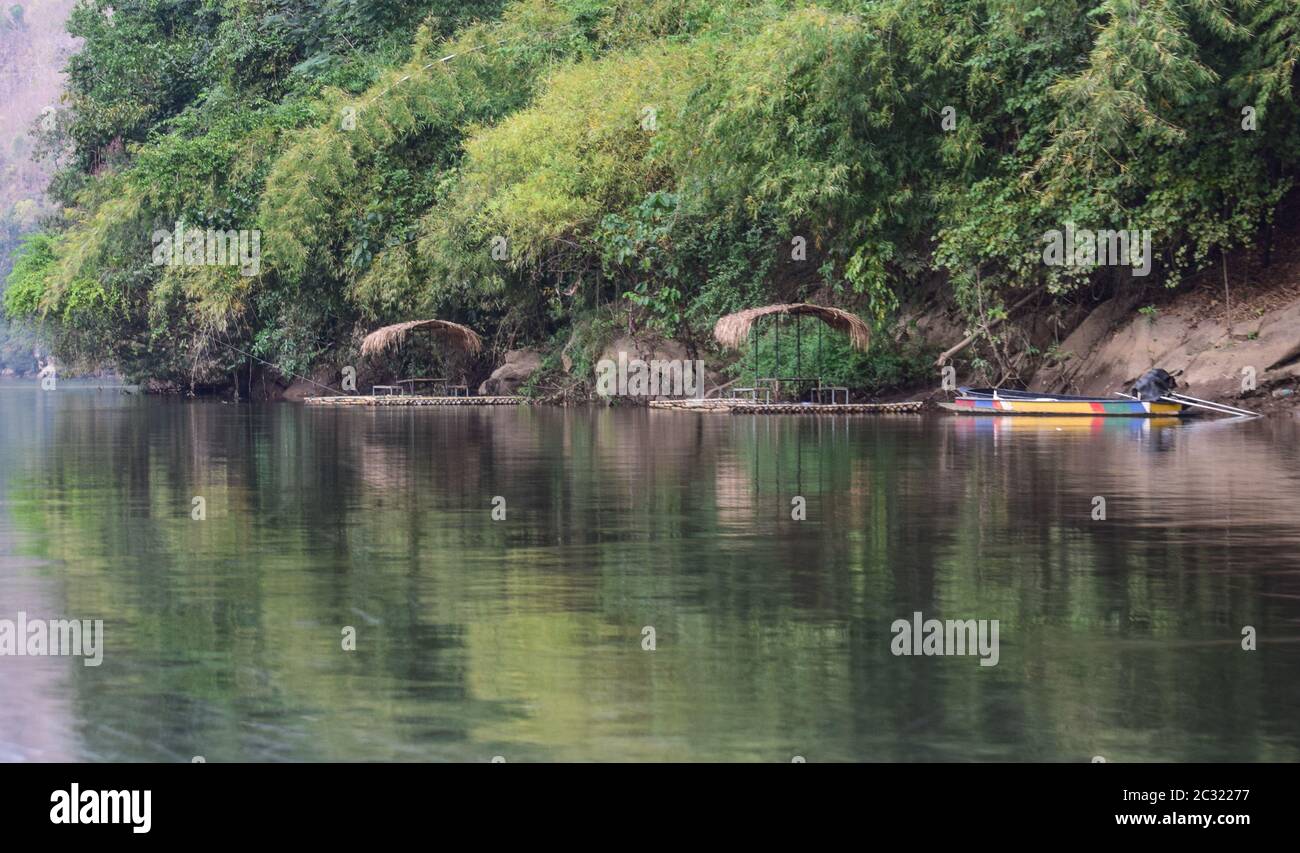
point(411, 400)
point(749, 407)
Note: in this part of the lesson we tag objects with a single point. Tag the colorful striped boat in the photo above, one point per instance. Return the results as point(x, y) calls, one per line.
point(1063, 424)
point(997, 401)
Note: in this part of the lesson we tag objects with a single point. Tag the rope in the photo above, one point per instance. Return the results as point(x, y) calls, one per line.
point(279, 368)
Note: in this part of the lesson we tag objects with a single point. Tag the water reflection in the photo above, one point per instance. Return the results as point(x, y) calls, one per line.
point(522, 637)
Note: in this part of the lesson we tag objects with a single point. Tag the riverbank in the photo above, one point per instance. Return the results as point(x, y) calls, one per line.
point(1230, 333)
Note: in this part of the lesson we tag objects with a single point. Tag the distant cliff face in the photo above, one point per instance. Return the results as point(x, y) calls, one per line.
point(34, 46)
point(33, 49)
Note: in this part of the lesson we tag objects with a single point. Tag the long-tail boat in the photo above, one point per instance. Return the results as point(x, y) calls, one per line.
point(999, 401)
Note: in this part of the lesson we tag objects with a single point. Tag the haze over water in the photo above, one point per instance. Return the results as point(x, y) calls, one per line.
point(523, 637)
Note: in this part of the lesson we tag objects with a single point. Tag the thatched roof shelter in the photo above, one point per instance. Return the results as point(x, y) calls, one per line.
point(454, 334)
point(732, 329)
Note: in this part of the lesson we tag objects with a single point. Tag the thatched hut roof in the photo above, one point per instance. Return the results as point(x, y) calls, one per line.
point(462, 337)
point(732, 329)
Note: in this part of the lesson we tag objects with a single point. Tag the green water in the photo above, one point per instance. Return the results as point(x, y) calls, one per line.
point(523, 637)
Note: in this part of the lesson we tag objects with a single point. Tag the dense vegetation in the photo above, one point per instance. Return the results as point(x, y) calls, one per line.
point(650, 162)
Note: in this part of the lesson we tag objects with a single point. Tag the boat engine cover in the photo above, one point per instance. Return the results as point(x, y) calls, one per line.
point(1153, 385)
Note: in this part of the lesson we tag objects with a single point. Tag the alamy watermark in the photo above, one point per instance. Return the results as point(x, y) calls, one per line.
point(93, 806)
point(198, 247)
point(656, 378)
point(53, 637)
point(1084, 248)
point(928, 637)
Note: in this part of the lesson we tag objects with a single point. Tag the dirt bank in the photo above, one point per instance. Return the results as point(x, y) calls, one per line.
point(1238, 341)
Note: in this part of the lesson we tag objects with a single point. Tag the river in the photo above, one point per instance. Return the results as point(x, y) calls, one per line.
point(533, 584)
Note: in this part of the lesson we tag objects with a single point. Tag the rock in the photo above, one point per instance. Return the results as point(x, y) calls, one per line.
point(506, 380)
point(161, 386)
point(650, 349)
point(645, 349)
point(300, 388)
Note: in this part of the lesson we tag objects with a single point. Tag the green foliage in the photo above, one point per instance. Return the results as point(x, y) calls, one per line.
point(16, 339)
point(887, 365)
point(655, 159)
point(25, 285)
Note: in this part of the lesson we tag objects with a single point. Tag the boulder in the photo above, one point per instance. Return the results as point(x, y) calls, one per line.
point(161, 386)
point(300, 388)
point(646, 349)
point(651, 349)
point(506, 380)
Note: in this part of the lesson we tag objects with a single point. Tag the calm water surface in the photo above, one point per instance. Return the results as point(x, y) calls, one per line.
point(523, 637)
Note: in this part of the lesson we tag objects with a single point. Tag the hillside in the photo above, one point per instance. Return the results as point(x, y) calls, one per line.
point(34, 46)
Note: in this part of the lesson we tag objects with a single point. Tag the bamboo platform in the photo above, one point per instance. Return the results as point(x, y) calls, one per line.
point(749, 407)
point(411, 400)
point(695, 405)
